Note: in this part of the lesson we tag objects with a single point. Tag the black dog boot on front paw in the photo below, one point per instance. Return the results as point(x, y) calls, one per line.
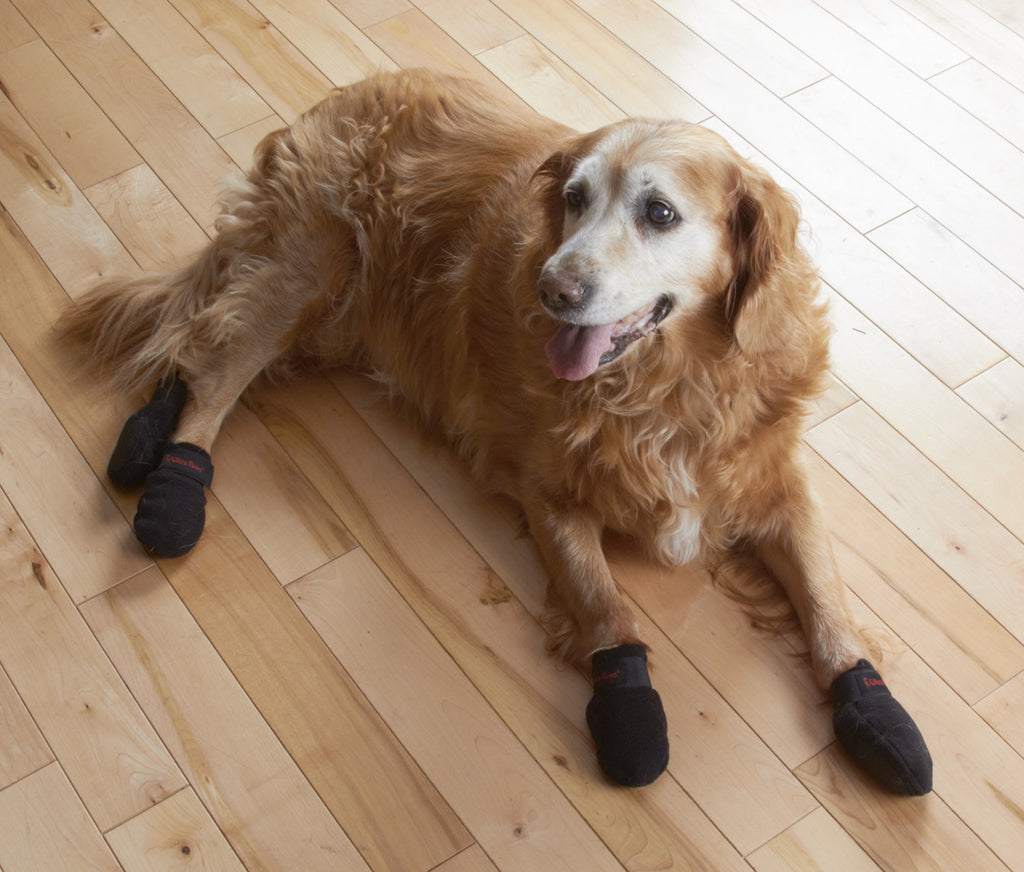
point(878, 733)
point(172, 508)
point(144, 435)
point(626, 717)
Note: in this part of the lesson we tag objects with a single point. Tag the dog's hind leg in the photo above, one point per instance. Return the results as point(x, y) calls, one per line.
point(625, 715)
point(172, 508)
point(145, 434)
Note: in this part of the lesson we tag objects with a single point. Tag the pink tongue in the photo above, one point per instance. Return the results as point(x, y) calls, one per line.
point(575, 352)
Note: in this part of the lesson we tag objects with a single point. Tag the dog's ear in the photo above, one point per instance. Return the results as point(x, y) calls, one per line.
point(557, 168)
point(552, 176)
point(773, 285)
point(555, 172)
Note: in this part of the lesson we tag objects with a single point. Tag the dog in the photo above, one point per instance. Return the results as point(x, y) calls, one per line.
point(619, 329)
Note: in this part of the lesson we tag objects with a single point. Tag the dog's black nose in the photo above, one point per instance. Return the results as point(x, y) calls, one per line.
point(560, 292)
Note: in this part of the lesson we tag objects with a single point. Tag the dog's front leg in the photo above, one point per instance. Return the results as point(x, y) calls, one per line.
point(870, 724)
point(596, 615)
point(597, 627)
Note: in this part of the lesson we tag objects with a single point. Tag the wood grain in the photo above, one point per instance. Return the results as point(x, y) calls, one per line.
point(45, 826)
point(107, 748)
point(23, 749)
point(254, 791)
point(74, 129)
point(174, 835)
point(319, 714)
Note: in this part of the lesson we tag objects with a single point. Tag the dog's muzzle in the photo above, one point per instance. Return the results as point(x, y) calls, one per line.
point(577, 350)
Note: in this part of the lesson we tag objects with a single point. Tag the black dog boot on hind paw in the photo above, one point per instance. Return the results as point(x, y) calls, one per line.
point(626, 717)
point(172, 508)
point(878, 733)
point(144, 435)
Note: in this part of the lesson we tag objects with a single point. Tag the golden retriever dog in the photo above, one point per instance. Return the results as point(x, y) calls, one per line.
point(619, 329)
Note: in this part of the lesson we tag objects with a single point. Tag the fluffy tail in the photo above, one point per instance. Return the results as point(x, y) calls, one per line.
point(136, 331)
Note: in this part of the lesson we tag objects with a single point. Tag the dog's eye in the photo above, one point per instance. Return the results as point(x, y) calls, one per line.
point(660, 213)
point(574, 199)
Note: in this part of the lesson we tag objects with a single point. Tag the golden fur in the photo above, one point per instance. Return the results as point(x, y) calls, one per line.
point(418, 228)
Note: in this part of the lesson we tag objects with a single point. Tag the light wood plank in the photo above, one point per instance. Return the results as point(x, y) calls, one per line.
point(897, 33)
point(959, 275)
point(987, 96)
point(77, 526)
point(835, 398)
point(815, 844)
point(902, 96)
point(548, 85)
point(896, 833)
point(1002, 709)
point(622, 75)
point(938, 335)
point(477, 27)
point(941, 425)
point(82, 139)
point(242, 143)
point(1007, 12)
point(14, 30)
point(197, 75)
point(818, 163)
point(473, 859)
point(337, 47)
point(423, 695)
point(699, 719)
point(61, 224)
point(943, 190)
point(761, 679)
point(30, 303)
point(328, 727)
point(178, 834)
point(43, 825)
point(977, 775)
point(253, 789)
point(22, 747)
point(985, 38)
point(998, 394)
point(413, 40)
point(986, 560)
point(164, 133)
point(365, 13)
point(266, 494)
point(957, 637)
point(110, 752)
point(278, 72)
point(773, 61)
point(149, 221)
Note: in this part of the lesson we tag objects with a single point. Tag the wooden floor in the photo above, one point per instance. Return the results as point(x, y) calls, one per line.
point(348, 672)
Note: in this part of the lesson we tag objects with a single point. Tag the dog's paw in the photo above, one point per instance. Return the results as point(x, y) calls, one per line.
point(144, 435)
point(172, 509)
point(626, 717)
point(878, 733)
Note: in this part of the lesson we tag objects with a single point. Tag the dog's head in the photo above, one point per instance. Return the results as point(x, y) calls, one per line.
point(654, 219)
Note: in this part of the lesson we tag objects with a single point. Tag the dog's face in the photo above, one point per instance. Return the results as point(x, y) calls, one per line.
point(650, 225)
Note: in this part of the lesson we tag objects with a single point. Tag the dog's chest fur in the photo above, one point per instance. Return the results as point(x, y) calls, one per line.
point(638, 474)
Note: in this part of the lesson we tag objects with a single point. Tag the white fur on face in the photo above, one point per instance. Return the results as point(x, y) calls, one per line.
point(611, 245)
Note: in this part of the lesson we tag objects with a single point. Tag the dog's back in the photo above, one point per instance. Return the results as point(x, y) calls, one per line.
point(367, 226)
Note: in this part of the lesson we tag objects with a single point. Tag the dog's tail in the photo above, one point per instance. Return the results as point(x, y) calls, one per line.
point(134, 332)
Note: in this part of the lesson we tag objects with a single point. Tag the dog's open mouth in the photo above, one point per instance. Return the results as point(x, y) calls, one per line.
point(575, 351)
